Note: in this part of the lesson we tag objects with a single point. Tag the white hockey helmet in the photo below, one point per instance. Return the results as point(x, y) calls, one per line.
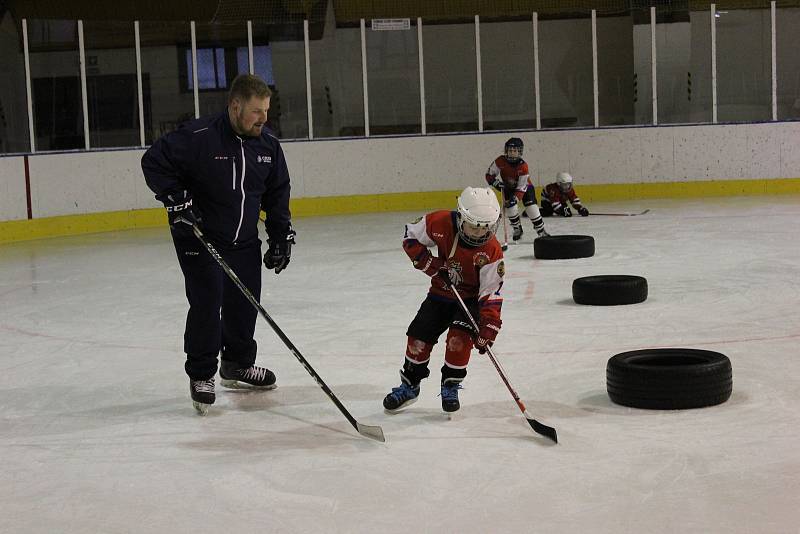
point(478, 215)
point(564, 181)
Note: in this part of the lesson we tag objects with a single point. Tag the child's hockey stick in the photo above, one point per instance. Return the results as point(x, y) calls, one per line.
point(620, 214)
point(539, 428)
point(504, 245)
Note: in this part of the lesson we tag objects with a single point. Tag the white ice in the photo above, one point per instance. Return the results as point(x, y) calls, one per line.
point(97, 433)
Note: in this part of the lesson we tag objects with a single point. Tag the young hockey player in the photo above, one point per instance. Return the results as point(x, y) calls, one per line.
point(509, 175)
point(557, 196)
point(468, 257)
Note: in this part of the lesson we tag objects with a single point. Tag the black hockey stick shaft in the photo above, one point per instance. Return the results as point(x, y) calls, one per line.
point(372, 432)
point(539, 428)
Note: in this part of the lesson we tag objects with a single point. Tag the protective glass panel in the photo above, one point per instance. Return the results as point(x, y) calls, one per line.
point(683, 57)
point(393, 77)
point(168, 100)
point(219, 49)
point(282, 54)
point(565, 72)
point(624, 70)
point(56, 85)
point(507, 70)
point(111, 86)
point(788, 62)
point(337, 93)
point(451, 78)
point(744, 64)
point(14, 132)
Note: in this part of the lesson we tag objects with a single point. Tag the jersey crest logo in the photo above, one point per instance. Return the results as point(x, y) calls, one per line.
point(501, 269)
point(481, 259)
point(263, 159)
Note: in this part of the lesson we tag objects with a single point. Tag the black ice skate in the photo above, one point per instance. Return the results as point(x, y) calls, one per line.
point(237, 377)
point(538, 225)
point(450, 396)
point(202, 393)
point(401, 397)
point(517, 232)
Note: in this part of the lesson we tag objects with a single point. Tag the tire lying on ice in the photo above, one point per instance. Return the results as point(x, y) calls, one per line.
point(669, 379)
point(609, 289)
point(563, 247)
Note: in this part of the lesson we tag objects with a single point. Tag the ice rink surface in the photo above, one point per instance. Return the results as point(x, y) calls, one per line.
point(97, 433)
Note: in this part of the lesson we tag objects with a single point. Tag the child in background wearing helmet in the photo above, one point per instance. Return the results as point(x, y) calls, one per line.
point(557, 196)
point(470, 258)
point(509, 174)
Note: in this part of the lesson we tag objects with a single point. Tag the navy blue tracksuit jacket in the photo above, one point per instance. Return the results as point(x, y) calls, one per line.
point(230, 177)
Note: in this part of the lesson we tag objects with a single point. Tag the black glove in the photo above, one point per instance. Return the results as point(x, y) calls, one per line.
point(180, 213)
point(567, 212)
point(280, 252)
point(498, 184)
point(449, 276)
point(583, 211)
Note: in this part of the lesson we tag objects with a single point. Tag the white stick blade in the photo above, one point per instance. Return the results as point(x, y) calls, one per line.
point(372, 432)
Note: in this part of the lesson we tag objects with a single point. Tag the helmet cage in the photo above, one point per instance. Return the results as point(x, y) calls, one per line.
point(476, 225)
point(513, 149)
point(466, 229)
point(564, 181)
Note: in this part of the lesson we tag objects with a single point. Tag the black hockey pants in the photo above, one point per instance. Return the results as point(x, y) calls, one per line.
point(220, 317)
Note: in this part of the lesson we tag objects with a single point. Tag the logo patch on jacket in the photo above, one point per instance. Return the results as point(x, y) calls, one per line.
point(264, 159)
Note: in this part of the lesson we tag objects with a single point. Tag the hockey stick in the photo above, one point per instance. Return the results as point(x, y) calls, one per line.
point(504, 246)
point(537, 427)
point(372, 432)
point(621, 214)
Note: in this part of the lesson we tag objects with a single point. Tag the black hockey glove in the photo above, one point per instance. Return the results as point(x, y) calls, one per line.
point(567, 212)
point(180, 213)
point(280, 252)
point(583, 211)
point(449, 276)
point(498, 184)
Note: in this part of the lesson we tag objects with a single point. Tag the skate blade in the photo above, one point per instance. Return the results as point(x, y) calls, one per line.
point(400, 408)
point(449, 415)
point(201, 408)
point(235, 384)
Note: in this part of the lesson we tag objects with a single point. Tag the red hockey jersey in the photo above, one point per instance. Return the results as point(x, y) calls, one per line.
point(515, 177)
point(557, 197)
point(481, 268)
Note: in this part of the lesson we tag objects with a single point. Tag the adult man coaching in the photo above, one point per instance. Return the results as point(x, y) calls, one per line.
point(218, 172)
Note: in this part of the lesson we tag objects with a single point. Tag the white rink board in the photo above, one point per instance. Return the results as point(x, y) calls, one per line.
point(87, 182)
point(13, 201)
point(102, 181)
